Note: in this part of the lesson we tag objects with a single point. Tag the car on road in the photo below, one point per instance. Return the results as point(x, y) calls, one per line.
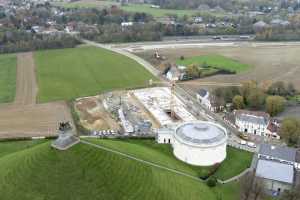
point(243, 142)
point(251, 145)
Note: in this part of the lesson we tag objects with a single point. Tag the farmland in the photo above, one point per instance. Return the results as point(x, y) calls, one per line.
point(157, 12)
point(146, 8)
point(87, 4)
point(84, 172)
point(69, 73)
point(269, 62)
point(8, 65)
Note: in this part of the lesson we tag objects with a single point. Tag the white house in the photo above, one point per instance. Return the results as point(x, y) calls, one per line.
point(208, 100)
point(174, 74)
point(252, 122)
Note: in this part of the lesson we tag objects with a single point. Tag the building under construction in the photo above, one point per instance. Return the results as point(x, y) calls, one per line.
point(157, 101)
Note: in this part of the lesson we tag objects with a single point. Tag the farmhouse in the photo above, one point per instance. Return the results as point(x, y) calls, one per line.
point(197, 143)
point(208, 100)
point(255, 122)
point(276, 166)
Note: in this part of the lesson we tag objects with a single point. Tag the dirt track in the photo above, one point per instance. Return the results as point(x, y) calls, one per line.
point(25, 118)
point(26, 88)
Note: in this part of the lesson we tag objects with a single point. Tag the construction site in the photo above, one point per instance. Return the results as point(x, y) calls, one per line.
point(135, 112)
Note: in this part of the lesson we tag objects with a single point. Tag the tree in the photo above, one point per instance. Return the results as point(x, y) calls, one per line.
point(274, 105)
point(292, 194)
point(291, 89)
point(238, 102)
point(290, 131)
point(246, 89)
point(252, 188)
point(277, 88)
point(193, 71)
point(256, 98)
point(212, 182)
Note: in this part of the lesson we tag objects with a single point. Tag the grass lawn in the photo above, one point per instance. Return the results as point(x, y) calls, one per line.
point(68, 73)
point(215, 61)
point(8, 67)
point(162, 154)
point(85, 172)
point(235, 163)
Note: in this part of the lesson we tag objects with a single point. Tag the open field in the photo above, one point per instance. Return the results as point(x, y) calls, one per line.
point(25, 118)
point(26, 80)
point(84, 172)
point(157, 12)
point(8, 66)
point(268, 62)
point(87, 4)
point(146, 8)
point(214, 61)
point(162, 154)
point(69, 73)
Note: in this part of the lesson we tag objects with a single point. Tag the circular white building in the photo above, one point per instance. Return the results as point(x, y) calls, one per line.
point(200, 143)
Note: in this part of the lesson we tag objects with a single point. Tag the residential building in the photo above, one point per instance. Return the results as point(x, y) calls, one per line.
point(208, 100)
point(277, 166)
point(252, 122)
point(174, 74)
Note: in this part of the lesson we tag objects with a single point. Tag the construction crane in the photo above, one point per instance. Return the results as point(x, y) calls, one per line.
point(173, 83)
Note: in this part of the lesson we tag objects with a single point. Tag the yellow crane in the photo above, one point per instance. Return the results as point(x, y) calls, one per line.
point(172, 84)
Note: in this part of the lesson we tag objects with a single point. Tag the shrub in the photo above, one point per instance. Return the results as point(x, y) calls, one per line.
point(212, 182)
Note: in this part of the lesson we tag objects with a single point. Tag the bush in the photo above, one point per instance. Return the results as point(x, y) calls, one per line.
point(212, 182)
point(181, 57)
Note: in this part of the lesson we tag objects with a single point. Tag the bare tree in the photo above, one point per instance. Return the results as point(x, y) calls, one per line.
point(252, 188)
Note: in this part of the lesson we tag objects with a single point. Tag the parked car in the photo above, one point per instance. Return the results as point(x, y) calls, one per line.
point(243, 142)
point(251, 144)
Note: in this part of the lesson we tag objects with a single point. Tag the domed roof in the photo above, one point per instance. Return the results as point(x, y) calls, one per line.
point(201, 133)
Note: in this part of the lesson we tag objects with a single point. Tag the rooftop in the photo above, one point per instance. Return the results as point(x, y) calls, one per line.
point(283, 153)
point(275, 171)
point(201, 133)
point(254, 117)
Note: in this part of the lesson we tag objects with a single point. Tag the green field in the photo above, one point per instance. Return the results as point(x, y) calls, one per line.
point(85, 172)
point(215, 62)
point(8, 67)
point(146, 8)
point(162, 154)
point(69, 73)
point(86, 4)
point(157, 12)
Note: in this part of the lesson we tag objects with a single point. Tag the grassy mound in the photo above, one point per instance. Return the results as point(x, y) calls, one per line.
point(212, 63)
point(85, 172)
point(162, 154)
point(68, 73)
point(8, 66)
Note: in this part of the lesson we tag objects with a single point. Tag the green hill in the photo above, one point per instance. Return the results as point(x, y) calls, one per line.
point(38, 172)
